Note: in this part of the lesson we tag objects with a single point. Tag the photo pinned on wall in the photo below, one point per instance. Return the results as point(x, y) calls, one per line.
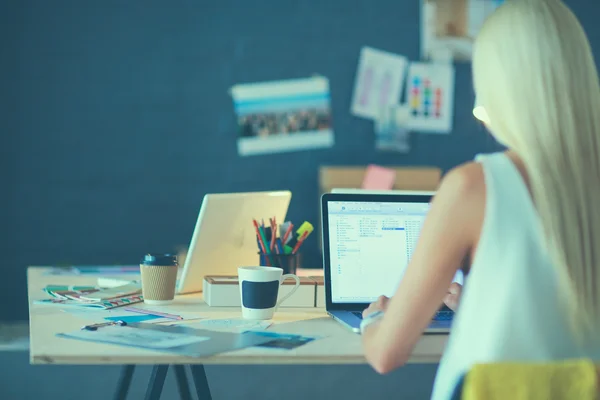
point(452, 25)
point(283, 116)
point(391, 129)
point(379, 81)
point(430, 97)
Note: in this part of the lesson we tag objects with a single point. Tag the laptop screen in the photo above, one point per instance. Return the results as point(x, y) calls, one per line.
point(370, 244)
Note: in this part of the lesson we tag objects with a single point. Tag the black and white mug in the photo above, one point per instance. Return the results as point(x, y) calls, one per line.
point(259, 287)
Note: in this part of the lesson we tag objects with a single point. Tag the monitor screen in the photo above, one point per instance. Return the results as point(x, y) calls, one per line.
point(370, 245)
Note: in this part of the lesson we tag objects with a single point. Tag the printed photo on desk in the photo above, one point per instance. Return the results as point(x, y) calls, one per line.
point(283, 116)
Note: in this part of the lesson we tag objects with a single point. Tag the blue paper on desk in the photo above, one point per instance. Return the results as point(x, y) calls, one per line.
point(170, 339)
point(283, 340)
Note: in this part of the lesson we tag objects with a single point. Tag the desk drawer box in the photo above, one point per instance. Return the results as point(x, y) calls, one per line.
point(224, 291)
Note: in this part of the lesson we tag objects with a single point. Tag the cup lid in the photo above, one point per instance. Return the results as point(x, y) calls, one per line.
point(160, 259)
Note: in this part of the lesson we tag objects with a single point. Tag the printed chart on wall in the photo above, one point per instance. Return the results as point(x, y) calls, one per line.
point(378, 84)
point(283, 116)
point(430, 96)
point(452, 25)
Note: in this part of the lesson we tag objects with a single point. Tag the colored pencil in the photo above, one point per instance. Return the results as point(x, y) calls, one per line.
point(287, 233)
point(150, 312)
point(300, 241)
point(260, 242)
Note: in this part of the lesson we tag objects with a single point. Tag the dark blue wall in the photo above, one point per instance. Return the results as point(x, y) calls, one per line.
point(116, 118)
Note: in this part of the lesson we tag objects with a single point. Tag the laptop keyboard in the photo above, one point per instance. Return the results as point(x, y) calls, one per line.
point(443, 316)
point(439, 316)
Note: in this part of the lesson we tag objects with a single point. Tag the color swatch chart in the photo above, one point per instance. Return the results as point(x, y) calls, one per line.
point(430, 96)
point(426, 100)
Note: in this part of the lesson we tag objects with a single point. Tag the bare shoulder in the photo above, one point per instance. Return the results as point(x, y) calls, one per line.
point(466, 179)
point(463, 189)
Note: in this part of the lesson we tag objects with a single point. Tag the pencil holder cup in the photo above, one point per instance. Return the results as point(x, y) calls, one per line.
point(289, 263)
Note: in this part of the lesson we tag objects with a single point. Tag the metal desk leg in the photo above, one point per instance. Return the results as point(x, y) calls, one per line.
point(200, 382)
point(182, 383)
point(124, 382)
point(157, 380)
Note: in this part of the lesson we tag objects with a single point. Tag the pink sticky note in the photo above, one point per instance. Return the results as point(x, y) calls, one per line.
point(379, 178)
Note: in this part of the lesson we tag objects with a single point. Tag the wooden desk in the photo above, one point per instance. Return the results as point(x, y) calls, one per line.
point(338, 345)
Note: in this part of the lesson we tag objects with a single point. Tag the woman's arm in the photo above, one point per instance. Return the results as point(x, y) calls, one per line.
point(450, 232)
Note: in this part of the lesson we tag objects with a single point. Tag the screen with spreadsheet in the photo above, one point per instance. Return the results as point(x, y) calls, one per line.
point(370, 245)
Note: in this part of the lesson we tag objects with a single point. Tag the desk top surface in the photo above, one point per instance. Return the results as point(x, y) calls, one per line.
point(338, 345)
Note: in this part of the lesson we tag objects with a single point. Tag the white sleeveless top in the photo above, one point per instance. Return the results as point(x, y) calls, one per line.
point(509, 308)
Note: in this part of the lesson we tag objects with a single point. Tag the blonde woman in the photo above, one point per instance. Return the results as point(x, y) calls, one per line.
point(528, 219)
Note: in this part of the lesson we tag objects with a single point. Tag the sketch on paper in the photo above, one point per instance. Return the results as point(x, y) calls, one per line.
point(379, 81)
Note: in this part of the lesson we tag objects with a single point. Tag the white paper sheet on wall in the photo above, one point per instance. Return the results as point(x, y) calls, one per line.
point(391, 130)
point(478, 12)
point(379, 81)
point(430, 96)
point(452, 25)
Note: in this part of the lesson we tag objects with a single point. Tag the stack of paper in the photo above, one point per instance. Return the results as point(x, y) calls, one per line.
point(93, 297)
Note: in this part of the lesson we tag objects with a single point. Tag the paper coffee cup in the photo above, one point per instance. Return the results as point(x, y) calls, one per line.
point(159, 278)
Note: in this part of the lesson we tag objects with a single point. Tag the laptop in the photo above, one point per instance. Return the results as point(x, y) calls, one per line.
point(224, 237)
point(368, 240)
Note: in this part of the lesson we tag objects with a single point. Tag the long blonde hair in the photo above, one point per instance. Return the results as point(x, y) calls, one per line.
point(535, 75)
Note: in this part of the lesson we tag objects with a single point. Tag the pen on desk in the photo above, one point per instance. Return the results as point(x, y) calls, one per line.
point(270, 238)
point(94, 327)
point(263, 240)
point(300, 241)
point(258, 237)
point(273, 232)
point(155, 313)
point(287, 233)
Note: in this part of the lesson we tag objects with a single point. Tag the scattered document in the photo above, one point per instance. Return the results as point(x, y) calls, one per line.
point(230, 325)
point(378, 83)
point(391, 129)
point(120, 314)
point(430, 96)
point(101, 305)
point(283, 340)
point(452, 25)
point(127, 336)
point(379, 178)
point(283, 116)
point(178, 339)
point(112, 293)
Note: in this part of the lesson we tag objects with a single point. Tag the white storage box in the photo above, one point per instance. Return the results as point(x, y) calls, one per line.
point(224, 291)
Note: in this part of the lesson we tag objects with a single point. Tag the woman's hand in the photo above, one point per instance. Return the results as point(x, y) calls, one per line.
point(380, 304)
point(452, 298)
